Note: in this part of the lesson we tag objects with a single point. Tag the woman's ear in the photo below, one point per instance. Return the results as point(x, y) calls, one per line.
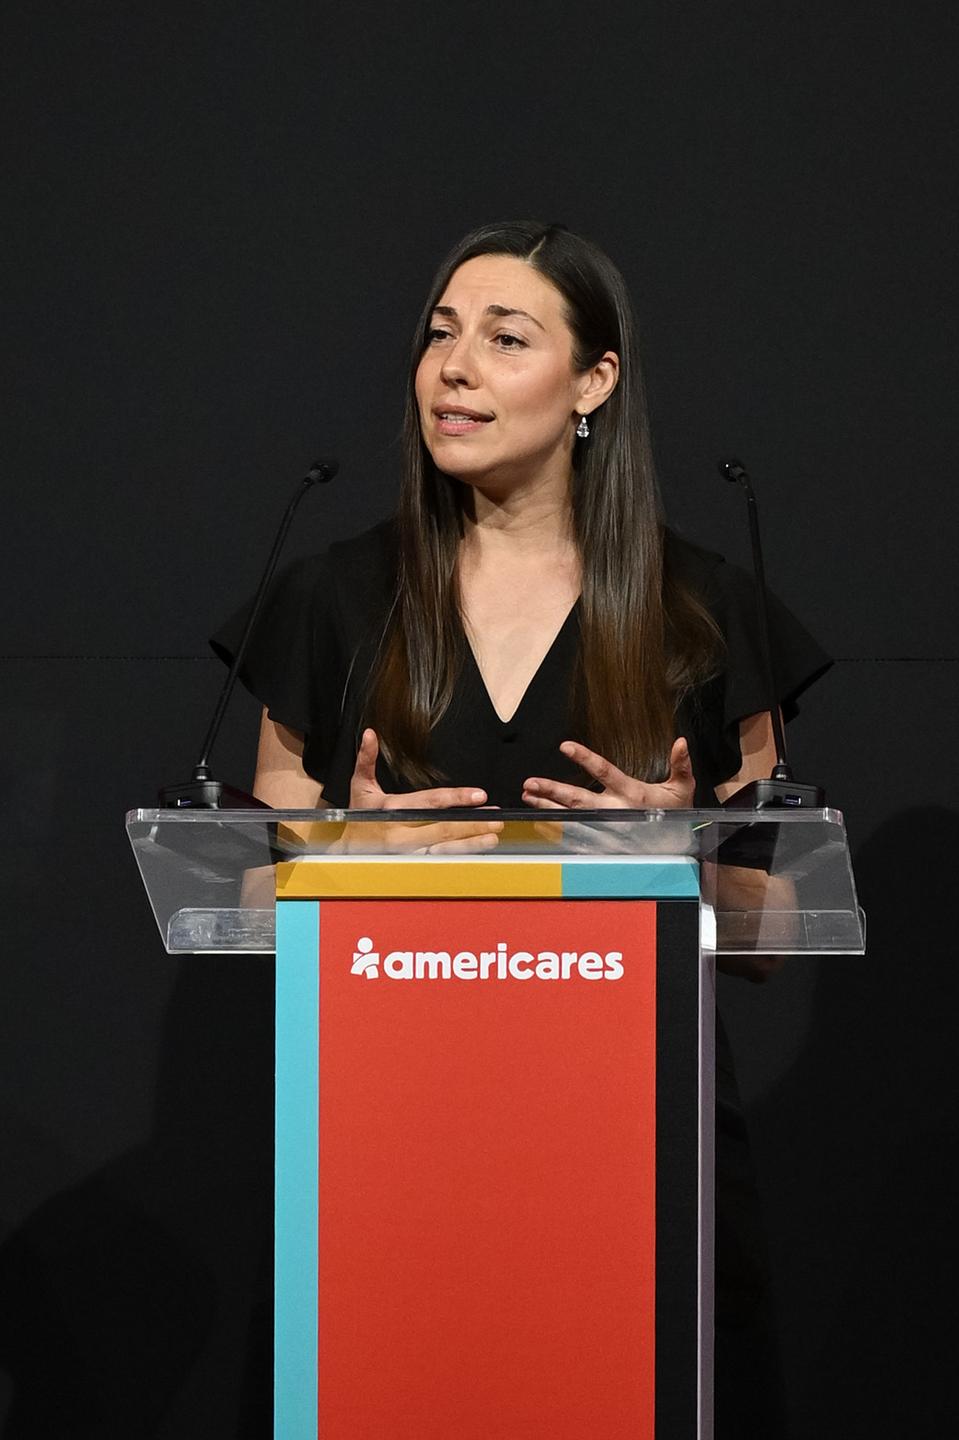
point(598, 383)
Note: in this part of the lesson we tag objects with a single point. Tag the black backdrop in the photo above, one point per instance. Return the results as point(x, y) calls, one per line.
point(221, 219)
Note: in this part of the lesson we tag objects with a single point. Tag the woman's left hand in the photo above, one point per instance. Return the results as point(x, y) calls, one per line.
point(620, 792)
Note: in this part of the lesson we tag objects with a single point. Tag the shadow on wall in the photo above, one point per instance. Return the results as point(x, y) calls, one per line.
point(861, 1140)
point(137, 1305)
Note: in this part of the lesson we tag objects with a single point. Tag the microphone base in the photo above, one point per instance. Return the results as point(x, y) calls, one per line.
point(208, 794)
point(777, 795)
point(772, 848)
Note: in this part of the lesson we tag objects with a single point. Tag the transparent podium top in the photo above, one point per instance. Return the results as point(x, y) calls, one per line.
point(777, 881)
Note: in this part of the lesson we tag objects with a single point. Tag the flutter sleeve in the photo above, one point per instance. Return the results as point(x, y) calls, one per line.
point(798, 660)
point(711, 715)
point(294, 662)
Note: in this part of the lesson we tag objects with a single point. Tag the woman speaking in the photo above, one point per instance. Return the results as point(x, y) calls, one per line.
point(527, 631)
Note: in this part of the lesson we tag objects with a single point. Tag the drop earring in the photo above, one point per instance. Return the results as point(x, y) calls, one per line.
point(582, 429)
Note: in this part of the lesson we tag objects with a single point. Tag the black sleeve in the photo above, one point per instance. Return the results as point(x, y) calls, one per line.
point(797, 658)
point(294, 658)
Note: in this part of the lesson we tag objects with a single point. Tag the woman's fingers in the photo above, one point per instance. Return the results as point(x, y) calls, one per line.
point(554, 795)
point(619, 790)
point(617, 787)
point(365, 792)
point(475, 844)
point(415, 836)
point(447, 837)
point(539, 802)
point(681, 779)
point(598, 766)
point(463, 797)
point(680, 764)
point(393, 837)
point(439, 832)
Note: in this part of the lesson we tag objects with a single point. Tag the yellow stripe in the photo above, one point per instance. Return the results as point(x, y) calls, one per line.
point(306, 833)
point(411, 879)
point(322, 835)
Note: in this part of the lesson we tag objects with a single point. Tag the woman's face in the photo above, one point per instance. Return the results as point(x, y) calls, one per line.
point(496, 389)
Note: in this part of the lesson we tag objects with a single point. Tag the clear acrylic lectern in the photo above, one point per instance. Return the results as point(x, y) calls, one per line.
point(494, 1095)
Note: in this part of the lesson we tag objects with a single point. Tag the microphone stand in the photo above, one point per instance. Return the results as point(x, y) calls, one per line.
point(780, 790)
point(203, 791)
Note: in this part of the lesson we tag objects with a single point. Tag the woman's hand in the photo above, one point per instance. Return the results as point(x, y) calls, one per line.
point(440, 837)
point(620, 792)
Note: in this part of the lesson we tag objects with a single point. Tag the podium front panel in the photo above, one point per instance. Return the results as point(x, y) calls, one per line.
point(493, 1151)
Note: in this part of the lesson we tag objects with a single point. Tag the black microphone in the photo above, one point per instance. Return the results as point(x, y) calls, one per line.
point(780, 791)
point(203, 792)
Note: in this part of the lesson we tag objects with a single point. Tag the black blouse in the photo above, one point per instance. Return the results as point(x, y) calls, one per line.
point(312, 653)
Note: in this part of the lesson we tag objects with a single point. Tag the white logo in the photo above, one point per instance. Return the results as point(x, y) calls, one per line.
point(498, 964)
point(366, 960)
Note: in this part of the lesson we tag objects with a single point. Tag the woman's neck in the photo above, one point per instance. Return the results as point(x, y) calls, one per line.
point(538, 520)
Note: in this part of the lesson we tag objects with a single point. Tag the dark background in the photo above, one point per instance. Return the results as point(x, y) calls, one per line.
point(221, 221)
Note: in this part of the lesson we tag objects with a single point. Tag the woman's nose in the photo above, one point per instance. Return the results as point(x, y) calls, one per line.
point(459, 366)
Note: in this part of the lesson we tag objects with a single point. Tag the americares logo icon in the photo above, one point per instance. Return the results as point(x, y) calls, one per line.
point(366, 960)
point(502, 963)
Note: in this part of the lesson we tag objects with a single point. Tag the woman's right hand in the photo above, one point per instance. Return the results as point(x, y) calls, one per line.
point(425, 838)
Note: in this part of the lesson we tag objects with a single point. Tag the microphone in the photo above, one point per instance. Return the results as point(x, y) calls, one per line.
point(780, 791)
point(203, 791)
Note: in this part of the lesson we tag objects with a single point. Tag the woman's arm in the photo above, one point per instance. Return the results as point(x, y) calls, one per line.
point(742, 889)
point(280, 779)
point(758, 746)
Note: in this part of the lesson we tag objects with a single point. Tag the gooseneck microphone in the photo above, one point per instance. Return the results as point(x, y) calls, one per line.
point(780, 790)
point(203, 792)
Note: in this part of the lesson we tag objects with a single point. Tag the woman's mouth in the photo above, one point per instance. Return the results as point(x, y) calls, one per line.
point(460, 422)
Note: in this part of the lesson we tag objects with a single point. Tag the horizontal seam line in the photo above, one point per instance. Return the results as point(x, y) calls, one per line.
point(213, 659)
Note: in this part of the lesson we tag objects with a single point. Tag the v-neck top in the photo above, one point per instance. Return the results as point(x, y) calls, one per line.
point(314, 648)
point(469, 658)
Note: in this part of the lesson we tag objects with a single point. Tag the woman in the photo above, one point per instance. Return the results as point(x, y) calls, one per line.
point(526, 632)
point(528, 594)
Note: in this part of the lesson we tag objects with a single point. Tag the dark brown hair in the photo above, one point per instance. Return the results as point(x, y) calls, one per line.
point(644, 639)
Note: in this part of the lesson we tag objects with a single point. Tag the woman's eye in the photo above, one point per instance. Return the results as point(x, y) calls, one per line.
point(435, 334)
point(510, 342)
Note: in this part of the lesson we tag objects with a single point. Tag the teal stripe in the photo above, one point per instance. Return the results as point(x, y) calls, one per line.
point(676, 878)
point(297, 1177)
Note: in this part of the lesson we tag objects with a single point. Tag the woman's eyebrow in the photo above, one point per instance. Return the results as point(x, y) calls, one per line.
point(498, 310)
point(511, 310)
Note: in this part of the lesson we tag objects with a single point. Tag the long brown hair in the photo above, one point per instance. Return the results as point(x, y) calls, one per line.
point(645, 640)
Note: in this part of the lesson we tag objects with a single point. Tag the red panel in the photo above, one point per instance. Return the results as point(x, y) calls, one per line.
point(487, 1178)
